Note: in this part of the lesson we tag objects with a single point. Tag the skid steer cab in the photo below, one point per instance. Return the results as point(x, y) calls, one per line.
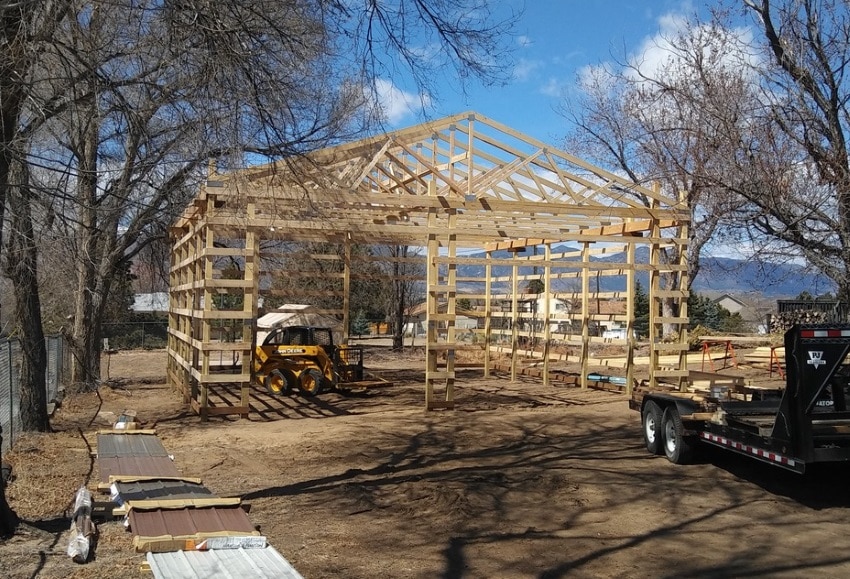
point(305, 357)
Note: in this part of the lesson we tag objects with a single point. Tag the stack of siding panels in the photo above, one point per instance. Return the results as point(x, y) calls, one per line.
point(170, 516)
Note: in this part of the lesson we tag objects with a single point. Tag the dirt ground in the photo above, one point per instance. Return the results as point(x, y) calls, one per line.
point(518, 481)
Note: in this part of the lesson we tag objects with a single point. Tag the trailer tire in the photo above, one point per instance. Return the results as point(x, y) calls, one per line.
point(677, 447)
point(652, 431)
point(311, 382)
point(279, 382)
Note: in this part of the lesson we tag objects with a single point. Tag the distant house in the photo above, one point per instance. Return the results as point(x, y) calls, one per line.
point(565, 316)
point(753, 309)
point(151, 303)
point(415, 319)
point(732, 304)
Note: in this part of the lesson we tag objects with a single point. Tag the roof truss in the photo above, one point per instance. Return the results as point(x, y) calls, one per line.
point(500, 185)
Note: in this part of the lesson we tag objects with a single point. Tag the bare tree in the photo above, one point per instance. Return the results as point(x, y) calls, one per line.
point(662, 124)
point(123, 103)
point(151, 92)
point(795, 169)
point(23, 27)
point(776, 126)
point(401, 291)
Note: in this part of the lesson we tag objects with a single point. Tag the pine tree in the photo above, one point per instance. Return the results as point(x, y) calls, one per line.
point(641, 311)
point(359, 325)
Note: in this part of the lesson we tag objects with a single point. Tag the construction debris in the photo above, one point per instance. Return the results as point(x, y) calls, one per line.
point(82, 528)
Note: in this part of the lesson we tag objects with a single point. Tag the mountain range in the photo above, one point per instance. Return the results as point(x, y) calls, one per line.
point(717, 275)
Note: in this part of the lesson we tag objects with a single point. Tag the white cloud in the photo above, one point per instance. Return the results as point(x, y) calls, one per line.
point(555, 87)
point(658, 51)
point(525, 68)
point(397, 104)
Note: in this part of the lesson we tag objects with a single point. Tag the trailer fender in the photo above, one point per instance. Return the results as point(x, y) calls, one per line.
point(685, 406)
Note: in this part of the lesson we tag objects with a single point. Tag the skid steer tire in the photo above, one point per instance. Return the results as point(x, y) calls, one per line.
point(280, 382)
point(311, 382)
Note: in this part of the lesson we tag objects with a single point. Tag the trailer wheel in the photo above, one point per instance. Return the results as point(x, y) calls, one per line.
point(312, 382)
point(280, 382)
point(677, 447)
point(652, 433)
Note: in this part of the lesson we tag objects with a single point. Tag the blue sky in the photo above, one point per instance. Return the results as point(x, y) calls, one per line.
point(554, 40)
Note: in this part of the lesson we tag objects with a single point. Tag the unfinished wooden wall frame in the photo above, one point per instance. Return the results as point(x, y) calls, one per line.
point(474, 195)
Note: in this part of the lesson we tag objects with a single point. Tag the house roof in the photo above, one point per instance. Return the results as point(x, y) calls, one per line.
point(150, 302)
point(739, 301)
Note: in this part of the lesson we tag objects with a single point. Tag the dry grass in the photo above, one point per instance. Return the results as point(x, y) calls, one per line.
point(48, 469)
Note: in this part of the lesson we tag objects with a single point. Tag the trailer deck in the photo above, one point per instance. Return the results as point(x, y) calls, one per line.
point(805, 422)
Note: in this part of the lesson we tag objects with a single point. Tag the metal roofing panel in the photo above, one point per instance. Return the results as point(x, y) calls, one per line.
point(265, 563)
point(136, 466)
point(114, 445)
point(160, 489)
point(190, 522)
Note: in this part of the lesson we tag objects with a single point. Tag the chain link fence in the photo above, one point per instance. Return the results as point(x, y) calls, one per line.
point(137, 334)
point(58, 367)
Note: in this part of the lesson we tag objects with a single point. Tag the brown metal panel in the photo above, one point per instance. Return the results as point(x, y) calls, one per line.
point(136, 466)
point(189, 522)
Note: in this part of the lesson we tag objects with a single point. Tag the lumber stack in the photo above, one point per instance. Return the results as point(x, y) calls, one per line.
point(761, 357)
point(771, 358)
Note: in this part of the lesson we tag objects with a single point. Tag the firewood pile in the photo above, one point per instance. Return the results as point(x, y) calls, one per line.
point(783, 321)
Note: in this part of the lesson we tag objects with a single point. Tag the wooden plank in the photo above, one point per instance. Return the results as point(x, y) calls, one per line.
point(170, 504)
point(113, 478)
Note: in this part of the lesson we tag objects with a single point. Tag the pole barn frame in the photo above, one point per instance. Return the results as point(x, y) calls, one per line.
point(454, 186)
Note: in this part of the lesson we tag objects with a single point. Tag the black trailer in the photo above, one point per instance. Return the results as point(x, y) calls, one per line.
point(806, 422)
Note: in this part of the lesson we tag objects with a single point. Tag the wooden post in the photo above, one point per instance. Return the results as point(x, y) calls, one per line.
point(249, 306)
point(655, 328)
point(514, 320)
point(206, 326)
point(346, 290)
point(434, 374)
point(682, 297)
point(630, 317)
point(451, 310)
point(547, 312)
point(585, 312)
point(488, 312)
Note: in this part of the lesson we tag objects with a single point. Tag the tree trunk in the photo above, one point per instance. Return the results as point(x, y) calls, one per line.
point(21, 259)
point(10, 107)
point(88, 328)
point(85, 368)
point(843, 293)
point(8, 518)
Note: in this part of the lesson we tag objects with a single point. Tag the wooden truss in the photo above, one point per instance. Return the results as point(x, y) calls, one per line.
point(452, 187)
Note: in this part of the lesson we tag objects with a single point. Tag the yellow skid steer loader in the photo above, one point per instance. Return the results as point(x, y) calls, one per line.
point(306, 358)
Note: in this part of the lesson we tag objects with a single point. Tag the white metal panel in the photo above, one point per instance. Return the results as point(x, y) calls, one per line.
point(265, 563)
